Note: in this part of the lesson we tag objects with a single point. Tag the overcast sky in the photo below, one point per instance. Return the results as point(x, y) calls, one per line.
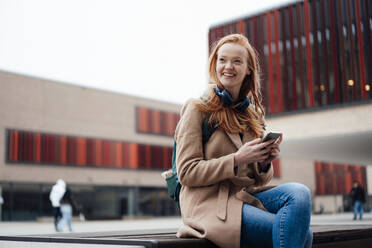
point(151, 48)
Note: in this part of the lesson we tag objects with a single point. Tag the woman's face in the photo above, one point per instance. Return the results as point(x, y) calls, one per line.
point(232, 67)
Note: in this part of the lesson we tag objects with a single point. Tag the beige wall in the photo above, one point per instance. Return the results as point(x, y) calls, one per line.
point(369, 179)
point(331, 203)
point(296, 170)
point(40, 105)
point(327, 122)
point(339, 134)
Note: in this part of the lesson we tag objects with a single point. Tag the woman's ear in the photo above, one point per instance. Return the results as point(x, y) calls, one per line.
point(249, 71)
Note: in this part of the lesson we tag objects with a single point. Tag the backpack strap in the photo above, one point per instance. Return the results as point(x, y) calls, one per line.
point(173, 184)
point(207, 130)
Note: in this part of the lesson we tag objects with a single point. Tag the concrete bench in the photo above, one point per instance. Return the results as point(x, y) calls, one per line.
point(329, 236)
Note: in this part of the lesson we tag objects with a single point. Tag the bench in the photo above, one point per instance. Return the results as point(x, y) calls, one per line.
point(355, 236)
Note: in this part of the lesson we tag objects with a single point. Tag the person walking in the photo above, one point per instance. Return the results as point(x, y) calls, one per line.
point(225, 196)
point(55, 196)
point(1, 205)
point(67, 206)
point(358, 198)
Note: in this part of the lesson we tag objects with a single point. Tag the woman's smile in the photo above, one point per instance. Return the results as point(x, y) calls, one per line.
point(228, 75)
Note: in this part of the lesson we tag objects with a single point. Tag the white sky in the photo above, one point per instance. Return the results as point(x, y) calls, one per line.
point(151, 48)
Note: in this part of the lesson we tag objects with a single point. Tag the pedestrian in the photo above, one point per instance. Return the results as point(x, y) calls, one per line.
point(55, 197)
point(224, 195)
point(1, 204)
point(358, 198)
point(67, 206)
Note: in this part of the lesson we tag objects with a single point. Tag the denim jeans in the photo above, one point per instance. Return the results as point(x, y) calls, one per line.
point(56, 215)
point(358, 207)
point(66, 210)
point(287, 222)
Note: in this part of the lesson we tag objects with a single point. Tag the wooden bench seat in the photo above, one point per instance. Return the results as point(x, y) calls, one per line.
point(355, 236)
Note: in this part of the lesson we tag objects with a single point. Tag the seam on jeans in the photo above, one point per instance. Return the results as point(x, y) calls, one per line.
point(281, 232)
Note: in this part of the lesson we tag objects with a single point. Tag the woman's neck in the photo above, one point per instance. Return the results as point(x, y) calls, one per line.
point(234, 93)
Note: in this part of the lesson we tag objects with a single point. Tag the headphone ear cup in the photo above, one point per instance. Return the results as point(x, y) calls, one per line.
point(225, 96)
point(244, 104)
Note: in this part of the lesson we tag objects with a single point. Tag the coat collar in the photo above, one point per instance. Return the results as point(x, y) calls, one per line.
point(235, 138)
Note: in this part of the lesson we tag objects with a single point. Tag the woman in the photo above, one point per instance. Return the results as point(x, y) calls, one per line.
point(224, 195)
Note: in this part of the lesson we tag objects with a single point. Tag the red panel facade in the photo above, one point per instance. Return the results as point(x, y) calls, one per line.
point(350, 50)
point(293, 60)
point(300, 55)
point(315, 50)
point(324, 45)
point(336, 178)
point(335, 67)
point(278, 80)
point(360, 50)
point(343, 71)
point(41, 148)
point(152, 121)
point(285, 76)
point(270, 64)
point(308, 55)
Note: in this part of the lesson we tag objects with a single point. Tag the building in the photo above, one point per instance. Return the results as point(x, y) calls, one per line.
point(316, 59)
point(109, 148)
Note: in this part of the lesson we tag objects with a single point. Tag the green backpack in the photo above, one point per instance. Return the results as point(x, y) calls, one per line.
point(173, 184)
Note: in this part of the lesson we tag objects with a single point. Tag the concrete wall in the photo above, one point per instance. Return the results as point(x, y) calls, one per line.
point(296, 170)
point(369, 179)
point(326, 122)
point(336, 134)
point(330, 203)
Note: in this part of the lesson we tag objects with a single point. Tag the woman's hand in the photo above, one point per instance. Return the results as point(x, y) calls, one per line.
point(253, 151)
point(274, 152)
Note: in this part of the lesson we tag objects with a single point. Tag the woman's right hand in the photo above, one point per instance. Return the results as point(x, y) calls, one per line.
point(253, 151)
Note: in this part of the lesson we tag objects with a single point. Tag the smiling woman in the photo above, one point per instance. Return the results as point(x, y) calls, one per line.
point(224, 181)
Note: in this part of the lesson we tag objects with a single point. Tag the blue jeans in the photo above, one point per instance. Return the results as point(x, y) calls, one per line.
point(358, 207)
point(66, 210)
point(287, 222)
point(56, 215)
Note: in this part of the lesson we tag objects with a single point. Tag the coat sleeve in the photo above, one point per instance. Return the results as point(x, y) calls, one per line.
point(192, 169)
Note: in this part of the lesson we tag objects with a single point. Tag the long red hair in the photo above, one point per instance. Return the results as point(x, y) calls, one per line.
point(228, 118)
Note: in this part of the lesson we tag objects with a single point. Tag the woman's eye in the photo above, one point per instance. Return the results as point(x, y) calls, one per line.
point(221, 59)
point(237, 61)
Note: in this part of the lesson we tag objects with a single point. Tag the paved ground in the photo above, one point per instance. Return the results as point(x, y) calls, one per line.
point(22, 228)
point(341, 219)
point(29, 228)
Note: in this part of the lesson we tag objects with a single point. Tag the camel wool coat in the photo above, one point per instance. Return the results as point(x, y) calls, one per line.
point(212, 195)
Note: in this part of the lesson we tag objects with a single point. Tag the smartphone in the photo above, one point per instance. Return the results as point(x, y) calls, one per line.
point(270, 136)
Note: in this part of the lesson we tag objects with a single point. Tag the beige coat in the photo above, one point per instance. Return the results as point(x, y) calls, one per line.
point(212, 195)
